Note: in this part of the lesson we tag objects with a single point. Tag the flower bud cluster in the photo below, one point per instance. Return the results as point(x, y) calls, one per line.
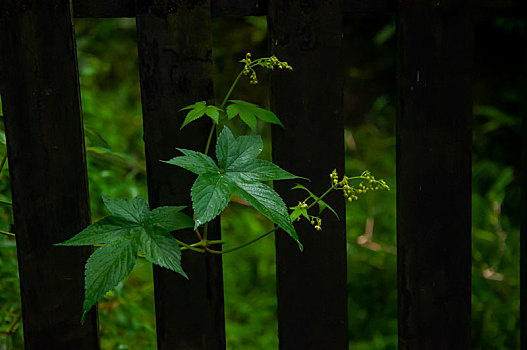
point(372, 183)
point(368, 183)
point(334, 177)
point(317, 222)
point(269, 63)
point(273, 62)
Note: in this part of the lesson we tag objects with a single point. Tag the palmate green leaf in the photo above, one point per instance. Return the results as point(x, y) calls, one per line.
point(249, 112)
point(169, 219)
point(131, 228)
point(269, 203)
point(238, 172)
point(198, 110)
point(210, 195)
point(160, 248)
point(105, 268)
point(232, 152)
point(134, 210)
point(102, 231)
point(196, 162)
point(262, 170)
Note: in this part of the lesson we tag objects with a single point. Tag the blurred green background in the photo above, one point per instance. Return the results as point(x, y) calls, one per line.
point(111, 104)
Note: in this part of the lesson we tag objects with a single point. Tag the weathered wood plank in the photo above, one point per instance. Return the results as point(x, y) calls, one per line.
point(125, 8)
point(239, 7)
point(312, 293)
point(523, 229)
point(434, 174)
point(103, 8)
point(175, 60)
point(523, 234)
point(47, 164)
point(370, 6)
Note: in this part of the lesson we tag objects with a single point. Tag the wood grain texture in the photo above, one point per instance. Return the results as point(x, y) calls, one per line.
point(125, 8)
point(312, 292)
point(175, 60)
point(523, 234)
point(47, 168)
point(370, 6)
point(523, 229)
point(103, 8)
point(239, 7)
point(434, 174)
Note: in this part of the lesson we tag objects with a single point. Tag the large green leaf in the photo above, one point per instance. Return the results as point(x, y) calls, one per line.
point(261, 170)
point(210, 195)
point(238, 172)
point(162, 249)
point(131, 210)
point(102, 231)
point(169, 219)
point(131, 228)
point(233, 152)
point(105, 268)
point(269, 203)
point(196, 162)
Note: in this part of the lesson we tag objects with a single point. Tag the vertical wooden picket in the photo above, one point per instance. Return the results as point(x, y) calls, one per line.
point(175, 60)
point(47, 164)
point(312, 292)
point(434, 174)
point(523, 229)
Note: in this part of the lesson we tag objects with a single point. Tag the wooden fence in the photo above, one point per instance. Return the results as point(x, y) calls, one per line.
point(40, 92)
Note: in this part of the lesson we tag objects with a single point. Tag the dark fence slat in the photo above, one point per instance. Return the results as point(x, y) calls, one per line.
point(312, 293)
point(370, 6)
point(47, 165)
point(434, 174)
point(175, 60)
point(125, 8)
point(239, 7)
point(523, 228)
point(523, 234)
point(103, 8)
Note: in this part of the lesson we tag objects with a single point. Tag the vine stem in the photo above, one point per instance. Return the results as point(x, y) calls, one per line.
point(2, 163)
point(322, 196)
point(231, 89)
point(210, 138)
point(12, 329)
point(190, 247)
point(198, 234)
point(223, 103)
point(241, 246)
point(226, 98)
point(9, 234)
point(205, 233)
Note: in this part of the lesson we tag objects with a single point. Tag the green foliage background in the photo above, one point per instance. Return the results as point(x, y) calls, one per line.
point(112, 115)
